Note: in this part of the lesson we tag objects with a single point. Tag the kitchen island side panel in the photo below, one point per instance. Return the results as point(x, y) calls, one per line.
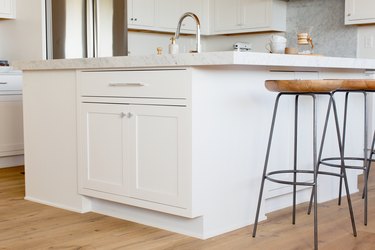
point(50, 131)
point(231, 117)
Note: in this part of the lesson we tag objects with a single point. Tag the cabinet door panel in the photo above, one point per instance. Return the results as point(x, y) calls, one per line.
point(226, 15)
point(104, 132)
point(167, 13)
point(157, 170)
point(7, 9)
point(195, 6)
point(360, 9)
point(143, 12)
point(255, 13)
point(11, 129)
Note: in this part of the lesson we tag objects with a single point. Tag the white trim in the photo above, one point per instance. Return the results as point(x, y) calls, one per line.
point(81, 211)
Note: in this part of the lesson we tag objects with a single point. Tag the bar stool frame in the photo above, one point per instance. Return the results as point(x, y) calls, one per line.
point(266, 175)
point(366, 159)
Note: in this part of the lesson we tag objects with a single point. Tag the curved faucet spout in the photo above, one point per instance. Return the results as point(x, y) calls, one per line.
point(198, 29)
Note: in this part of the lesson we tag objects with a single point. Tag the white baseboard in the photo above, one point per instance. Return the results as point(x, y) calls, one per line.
point(11, 161)
point(73, 209)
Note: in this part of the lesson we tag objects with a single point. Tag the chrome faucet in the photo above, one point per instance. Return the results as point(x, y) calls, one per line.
point(198, 30)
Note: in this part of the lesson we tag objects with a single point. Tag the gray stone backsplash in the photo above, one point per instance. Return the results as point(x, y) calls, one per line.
point(324, 20)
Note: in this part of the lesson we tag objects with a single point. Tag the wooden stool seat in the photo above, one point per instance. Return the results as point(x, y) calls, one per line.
point(304, 86)
point(358, 84)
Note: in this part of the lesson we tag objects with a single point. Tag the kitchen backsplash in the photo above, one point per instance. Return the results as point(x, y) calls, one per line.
point(324, 19)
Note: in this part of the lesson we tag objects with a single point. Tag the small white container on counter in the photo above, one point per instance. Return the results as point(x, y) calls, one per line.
point(173, 47)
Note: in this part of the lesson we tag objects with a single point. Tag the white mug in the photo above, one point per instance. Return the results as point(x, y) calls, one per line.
point(278, 39)
point(276, 47)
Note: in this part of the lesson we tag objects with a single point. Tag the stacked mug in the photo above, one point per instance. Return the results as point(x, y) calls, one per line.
point(276, 44)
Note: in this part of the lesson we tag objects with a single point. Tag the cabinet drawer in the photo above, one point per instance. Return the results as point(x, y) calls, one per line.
point(10, 82)
point(140, 83)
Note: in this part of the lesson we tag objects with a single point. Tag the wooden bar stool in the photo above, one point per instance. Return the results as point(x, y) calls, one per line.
point(299, 88)
point(350, 86)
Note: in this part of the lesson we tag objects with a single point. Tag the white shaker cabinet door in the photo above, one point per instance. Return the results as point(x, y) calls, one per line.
point(196, 7)
point(141, 13)
point(167, 14)
point(159, 169)
point(11, 126)
point(226, 15)
point(8, 9)
point(244, 16)
point(359, 11)
point(255, 13)
point(104, 137)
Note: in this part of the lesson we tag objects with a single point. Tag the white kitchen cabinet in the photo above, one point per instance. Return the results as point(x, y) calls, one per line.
point(168, 13)
point(8, 9)
point(359, 11)
point(104, 133)
point(242, 16)
point(141, 14)
point(134, 138)
point(135, 151)
point(158, 144)
point(11, 127)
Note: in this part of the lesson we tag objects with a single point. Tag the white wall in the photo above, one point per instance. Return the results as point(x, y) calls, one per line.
point(21, 39)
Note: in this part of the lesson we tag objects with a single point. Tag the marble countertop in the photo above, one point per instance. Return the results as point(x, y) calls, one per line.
point(201, 59)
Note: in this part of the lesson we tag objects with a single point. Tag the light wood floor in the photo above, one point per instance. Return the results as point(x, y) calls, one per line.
point(27, 225)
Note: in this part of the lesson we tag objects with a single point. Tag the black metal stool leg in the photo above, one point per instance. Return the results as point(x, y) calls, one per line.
point(321, 150)
point(343, 166)
point(315, 175)
point(343, 141)
point(266, 163)
point(295, 158)
point(365, 129)
point(366, 176)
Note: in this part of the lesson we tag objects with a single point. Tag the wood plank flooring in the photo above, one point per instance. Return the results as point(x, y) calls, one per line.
point(27, 225)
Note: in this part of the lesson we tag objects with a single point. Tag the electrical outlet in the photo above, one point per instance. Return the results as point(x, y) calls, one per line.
point(369, 42)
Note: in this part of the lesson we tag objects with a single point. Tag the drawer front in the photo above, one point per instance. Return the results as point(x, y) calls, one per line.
point(146, 83)
point(10, 82)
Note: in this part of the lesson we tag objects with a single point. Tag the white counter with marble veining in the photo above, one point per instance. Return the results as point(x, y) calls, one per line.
point(202, 59)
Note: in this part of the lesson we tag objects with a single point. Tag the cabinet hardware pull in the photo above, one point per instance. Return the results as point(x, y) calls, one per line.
point(130, 115)
point(130, 84)
point(122, 115)
point(3, 82)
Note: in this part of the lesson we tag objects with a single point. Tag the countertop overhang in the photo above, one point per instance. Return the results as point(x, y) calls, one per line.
point(202, 59)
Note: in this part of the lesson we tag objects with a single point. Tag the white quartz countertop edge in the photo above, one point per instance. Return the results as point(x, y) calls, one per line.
point(201, 59)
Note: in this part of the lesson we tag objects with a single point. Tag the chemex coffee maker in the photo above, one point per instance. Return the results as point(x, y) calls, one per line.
point(305, 44)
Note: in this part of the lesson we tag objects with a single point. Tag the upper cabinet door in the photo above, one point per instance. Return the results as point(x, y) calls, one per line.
point(359, 11)
point(141, 13)
point(167, 13)
point(244, 16)
point(194, 6)
point(226, 15)
point(8, 9)
point(255, 13)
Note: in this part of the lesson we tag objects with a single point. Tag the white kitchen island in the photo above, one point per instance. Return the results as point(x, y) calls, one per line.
point(172, 141)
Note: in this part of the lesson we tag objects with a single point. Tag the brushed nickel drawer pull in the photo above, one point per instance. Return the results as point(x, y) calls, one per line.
point(130, 84)
point(3, 82)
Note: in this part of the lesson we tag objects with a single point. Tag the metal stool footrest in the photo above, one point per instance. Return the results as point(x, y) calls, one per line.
point(326, 162)
point(298, 183)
